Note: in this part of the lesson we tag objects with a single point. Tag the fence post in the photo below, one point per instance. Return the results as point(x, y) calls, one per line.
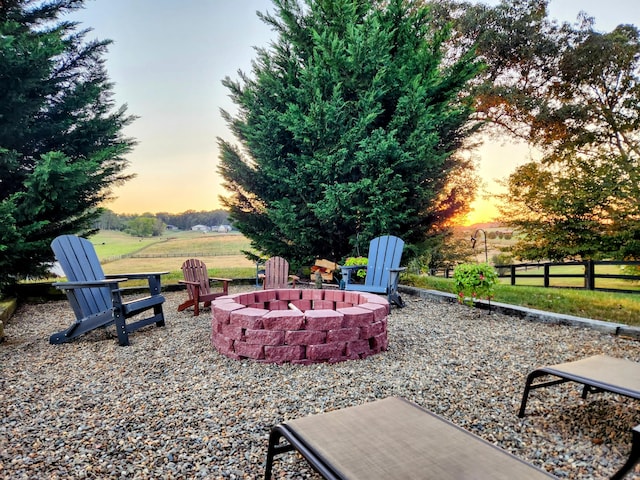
point(513, 274)
point(546, 275)
point(590, 275)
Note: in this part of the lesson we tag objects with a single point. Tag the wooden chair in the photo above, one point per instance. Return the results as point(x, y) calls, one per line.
point(196, 278)
point(383, 269)
point(276, 274)
point(96, 298)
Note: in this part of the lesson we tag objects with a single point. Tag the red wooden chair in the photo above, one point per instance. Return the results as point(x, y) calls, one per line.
point(276, 274)
point(196, 278)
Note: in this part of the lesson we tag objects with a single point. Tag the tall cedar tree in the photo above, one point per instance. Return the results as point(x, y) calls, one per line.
point(348, 129)
point(61, 146)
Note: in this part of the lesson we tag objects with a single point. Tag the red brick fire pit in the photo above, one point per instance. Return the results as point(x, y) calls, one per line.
point(299, 326)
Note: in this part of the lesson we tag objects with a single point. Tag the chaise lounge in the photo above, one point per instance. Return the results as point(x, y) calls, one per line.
point(599, 373)
point(394, 438)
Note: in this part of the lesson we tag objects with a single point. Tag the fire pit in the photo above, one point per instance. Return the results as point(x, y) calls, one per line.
point(299, 326)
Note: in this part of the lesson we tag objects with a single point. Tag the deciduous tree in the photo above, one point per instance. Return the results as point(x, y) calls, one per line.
point(582, 198)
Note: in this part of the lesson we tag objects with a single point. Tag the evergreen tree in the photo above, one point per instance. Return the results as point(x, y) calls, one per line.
point(61, 143)
point(348, 129)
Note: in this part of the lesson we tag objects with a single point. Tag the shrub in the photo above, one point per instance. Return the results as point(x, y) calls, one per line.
point(360, 261)
point(474, 281)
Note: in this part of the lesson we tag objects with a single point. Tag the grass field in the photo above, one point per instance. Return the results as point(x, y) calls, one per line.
point(221, 252)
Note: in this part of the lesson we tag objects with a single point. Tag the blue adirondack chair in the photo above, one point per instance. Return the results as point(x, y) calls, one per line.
point(383, 269)
point(96, 298)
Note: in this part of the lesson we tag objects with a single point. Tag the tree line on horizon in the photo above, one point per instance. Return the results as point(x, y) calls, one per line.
point(356, 121)
point(155, 224)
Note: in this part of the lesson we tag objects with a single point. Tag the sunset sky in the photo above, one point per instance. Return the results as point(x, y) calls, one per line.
point(167, 62)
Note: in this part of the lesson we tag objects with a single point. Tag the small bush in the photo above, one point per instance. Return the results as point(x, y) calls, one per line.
point(474, 281)
point(361, 261)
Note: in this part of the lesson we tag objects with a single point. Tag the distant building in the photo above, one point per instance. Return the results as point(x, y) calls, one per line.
point(224, 228)
point(201, 228)
point(172, 227)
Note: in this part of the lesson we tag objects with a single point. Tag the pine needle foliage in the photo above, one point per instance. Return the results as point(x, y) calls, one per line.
point(347, 129)
point(61, 143)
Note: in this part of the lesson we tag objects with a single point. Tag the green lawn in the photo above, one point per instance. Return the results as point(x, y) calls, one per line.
point(613, 307)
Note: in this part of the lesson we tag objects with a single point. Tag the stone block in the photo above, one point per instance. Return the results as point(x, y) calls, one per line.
point(343, 305)
point(255, 352)
point(379, 310)
point(264, 337)
point(311, 294)
point(266, 296)
point(323, 319)
point(325, 351)
point(343, 335)
point(289, 294)
point(245, 298)
point(379, 343)
point(232, 331)
point(373, 329)
point(223, 345)
point(324, 305)
point(303, 305)
point(284, 353)
point(223, 311)
point(305, 337)
point(356, 316)
point(283, 320)
point(278, 305)
point(334, 295)
point(248, 317)
point(357, 347)
point(354, 298)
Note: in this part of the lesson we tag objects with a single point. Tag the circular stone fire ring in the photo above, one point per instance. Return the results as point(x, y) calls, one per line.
point(299, 326)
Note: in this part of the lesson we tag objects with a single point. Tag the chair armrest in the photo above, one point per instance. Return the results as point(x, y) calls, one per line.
point(351, 267)
point(88, 284)
point(136, 275)
point(189, 282)
point(221, 279)
point(398, 270)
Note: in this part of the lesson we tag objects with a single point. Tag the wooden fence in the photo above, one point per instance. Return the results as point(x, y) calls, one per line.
point(591, 279)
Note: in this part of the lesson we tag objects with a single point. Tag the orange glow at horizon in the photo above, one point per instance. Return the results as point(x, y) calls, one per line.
point(482, 211)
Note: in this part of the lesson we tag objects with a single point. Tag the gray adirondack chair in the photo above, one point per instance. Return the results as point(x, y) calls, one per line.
point(383, 269)
point(96, 298)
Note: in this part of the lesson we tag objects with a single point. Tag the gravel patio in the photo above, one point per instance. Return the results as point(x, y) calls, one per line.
point(169, 406)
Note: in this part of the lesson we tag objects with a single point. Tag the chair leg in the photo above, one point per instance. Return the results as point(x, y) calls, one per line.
point(275, 448)
point(634, 456)
point(527, 388)
point(121, 329)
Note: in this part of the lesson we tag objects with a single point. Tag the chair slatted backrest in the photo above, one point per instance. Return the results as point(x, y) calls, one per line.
point(80, 263)
point(276, 273)
point(385, 253)
point(195, 270)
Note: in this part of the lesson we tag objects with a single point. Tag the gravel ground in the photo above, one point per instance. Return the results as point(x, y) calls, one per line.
point(169, 406)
